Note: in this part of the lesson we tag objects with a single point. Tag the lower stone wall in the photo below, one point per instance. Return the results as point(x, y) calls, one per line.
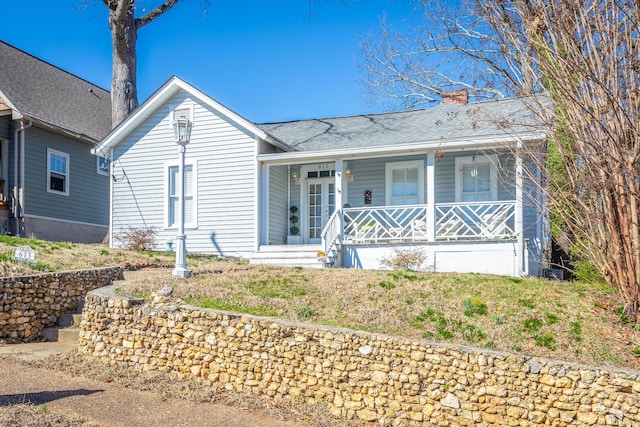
point(359, 375)
point(30, 303)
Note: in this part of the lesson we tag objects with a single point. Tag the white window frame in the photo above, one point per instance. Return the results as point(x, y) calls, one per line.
point(99, 170)
point(481, 159)
point(167, 187)
point(67, 175)
point(408, 164)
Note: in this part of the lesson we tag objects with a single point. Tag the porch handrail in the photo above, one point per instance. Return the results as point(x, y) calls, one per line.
point(408, 223)
point(332, 233)
point(382, 223)
point(473, 220)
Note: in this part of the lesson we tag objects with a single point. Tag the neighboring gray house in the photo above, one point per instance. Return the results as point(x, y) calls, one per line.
point(442, 180)
point(51, 186)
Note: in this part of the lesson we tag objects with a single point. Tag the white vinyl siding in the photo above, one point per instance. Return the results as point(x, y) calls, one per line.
point(57, 172)
point(278, 208)
point(404, 183)
point(224, 158)
point(190, 211)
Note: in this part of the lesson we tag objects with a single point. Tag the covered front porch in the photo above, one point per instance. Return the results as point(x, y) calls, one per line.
point(463, 206)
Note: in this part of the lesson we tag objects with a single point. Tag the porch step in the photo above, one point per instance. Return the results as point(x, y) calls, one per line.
point(288, 256)
point(61, 335)
point(69, 319)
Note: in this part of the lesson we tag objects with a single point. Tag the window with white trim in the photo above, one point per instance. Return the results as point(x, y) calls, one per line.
point(102, 166)
point(476, 178)
point(57, 172)
point(404, 183)
point(190, 205)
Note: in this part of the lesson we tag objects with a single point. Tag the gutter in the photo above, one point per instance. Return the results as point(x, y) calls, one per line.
point(18, 171)
point(425, 146)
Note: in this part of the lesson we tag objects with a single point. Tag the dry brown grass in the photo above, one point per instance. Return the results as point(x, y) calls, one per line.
point(25, 415)
point(574, 321)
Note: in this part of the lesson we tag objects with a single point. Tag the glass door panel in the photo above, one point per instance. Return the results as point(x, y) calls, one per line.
point(321, 204)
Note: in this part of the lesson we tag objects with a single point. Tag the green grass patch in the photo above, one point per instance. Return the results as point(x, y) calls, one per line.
point(527, 303)
point(228, 305)
point(576, 331)
point(473, 306)
point(446, 329)
point(552, 318)
point(386, 284)
point(305, 312)
point(546, 340)
point(532, 324)
point(404, 275)
point(276, 287)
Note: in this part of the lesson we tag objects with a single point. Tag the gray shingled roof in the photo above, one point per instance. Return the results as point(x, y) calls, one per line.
point(53, 96)
point(485, 119)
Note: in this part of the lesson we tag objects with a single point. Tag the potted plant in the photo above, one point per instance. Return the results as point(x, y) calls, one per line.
point(294, 232)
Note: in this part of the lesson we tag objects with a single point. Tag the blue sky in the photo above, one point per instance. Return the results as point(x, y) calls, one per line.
point(269, 60)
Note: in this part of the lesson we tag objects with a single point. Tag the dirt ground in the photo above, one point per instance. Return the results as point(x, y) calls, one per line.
point(114, 405)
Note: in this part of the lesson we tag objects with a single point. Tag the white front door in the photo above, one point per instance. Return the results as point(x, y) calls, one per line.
point(320, 206)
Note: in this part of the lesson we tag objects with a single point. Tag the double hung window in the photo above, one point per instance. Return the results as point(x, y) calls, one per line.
point(476, 178)
point(190, 215)
point(404, 183)
point(57, 172)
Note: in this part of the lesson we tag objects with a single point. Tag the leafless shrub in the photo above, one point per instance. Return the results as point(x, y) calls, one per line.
point(406, 259)
point(138, 239)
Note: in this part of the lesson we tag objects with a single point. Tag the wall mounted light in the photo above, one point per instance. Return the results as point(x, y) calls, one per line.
point(474, 168)
point(296, 177)
point(181, 126)
point(349, 175)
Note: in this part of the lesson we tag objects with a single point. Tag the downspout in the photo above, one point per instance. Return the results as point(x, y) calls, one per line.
point(18, 172)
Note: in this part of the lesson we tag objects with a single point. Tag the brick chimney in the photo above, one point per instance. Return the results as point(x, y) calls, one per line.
point(460, 96)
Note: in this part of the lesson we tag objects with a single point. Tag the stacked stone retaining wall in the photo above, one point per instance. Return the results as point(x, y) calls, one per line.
point(30, 303)
point(359, 375)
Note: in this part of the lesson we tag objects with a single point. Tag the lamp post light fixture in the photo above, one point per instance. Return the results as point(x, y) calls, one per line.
point(181, 134)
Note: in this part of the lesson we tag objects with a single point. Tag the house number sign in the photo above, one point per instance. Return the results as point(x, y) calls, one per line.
point(25, 253)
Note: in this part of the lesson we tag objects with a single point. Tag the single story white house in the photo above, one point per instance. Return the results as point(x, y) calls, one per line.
point(443, 180)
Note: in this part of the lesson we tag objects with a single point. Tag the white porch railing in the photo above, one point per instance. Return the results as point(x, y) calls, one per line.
point(454, 221)
point(485, 220)
point(331, 234)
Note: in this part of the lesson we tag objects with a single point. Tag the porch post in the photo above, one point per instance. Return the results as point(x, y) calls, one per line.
point(431, 196)
point(338, 196)
point(518, 215)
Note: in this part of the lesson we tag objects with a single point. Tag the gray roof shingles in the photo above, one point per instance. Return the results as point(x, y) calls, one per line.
point(53, 96)
point(486, 119)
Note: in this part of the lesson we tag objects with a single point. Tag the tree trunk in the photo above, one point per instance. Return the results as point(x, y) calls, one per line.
point(124, 34)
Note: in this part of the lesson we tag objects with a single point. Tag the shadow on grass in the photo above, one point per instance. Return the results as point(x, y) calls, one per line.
point(42, 397)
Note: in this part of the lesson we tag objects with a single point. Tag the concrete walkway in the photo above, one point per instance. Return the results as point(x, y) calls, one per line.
point(34, 351)
point(111, 404)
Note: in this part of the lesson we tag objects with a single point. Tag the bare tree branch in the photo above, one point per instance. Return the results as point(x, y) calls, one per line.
point(586, 57)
